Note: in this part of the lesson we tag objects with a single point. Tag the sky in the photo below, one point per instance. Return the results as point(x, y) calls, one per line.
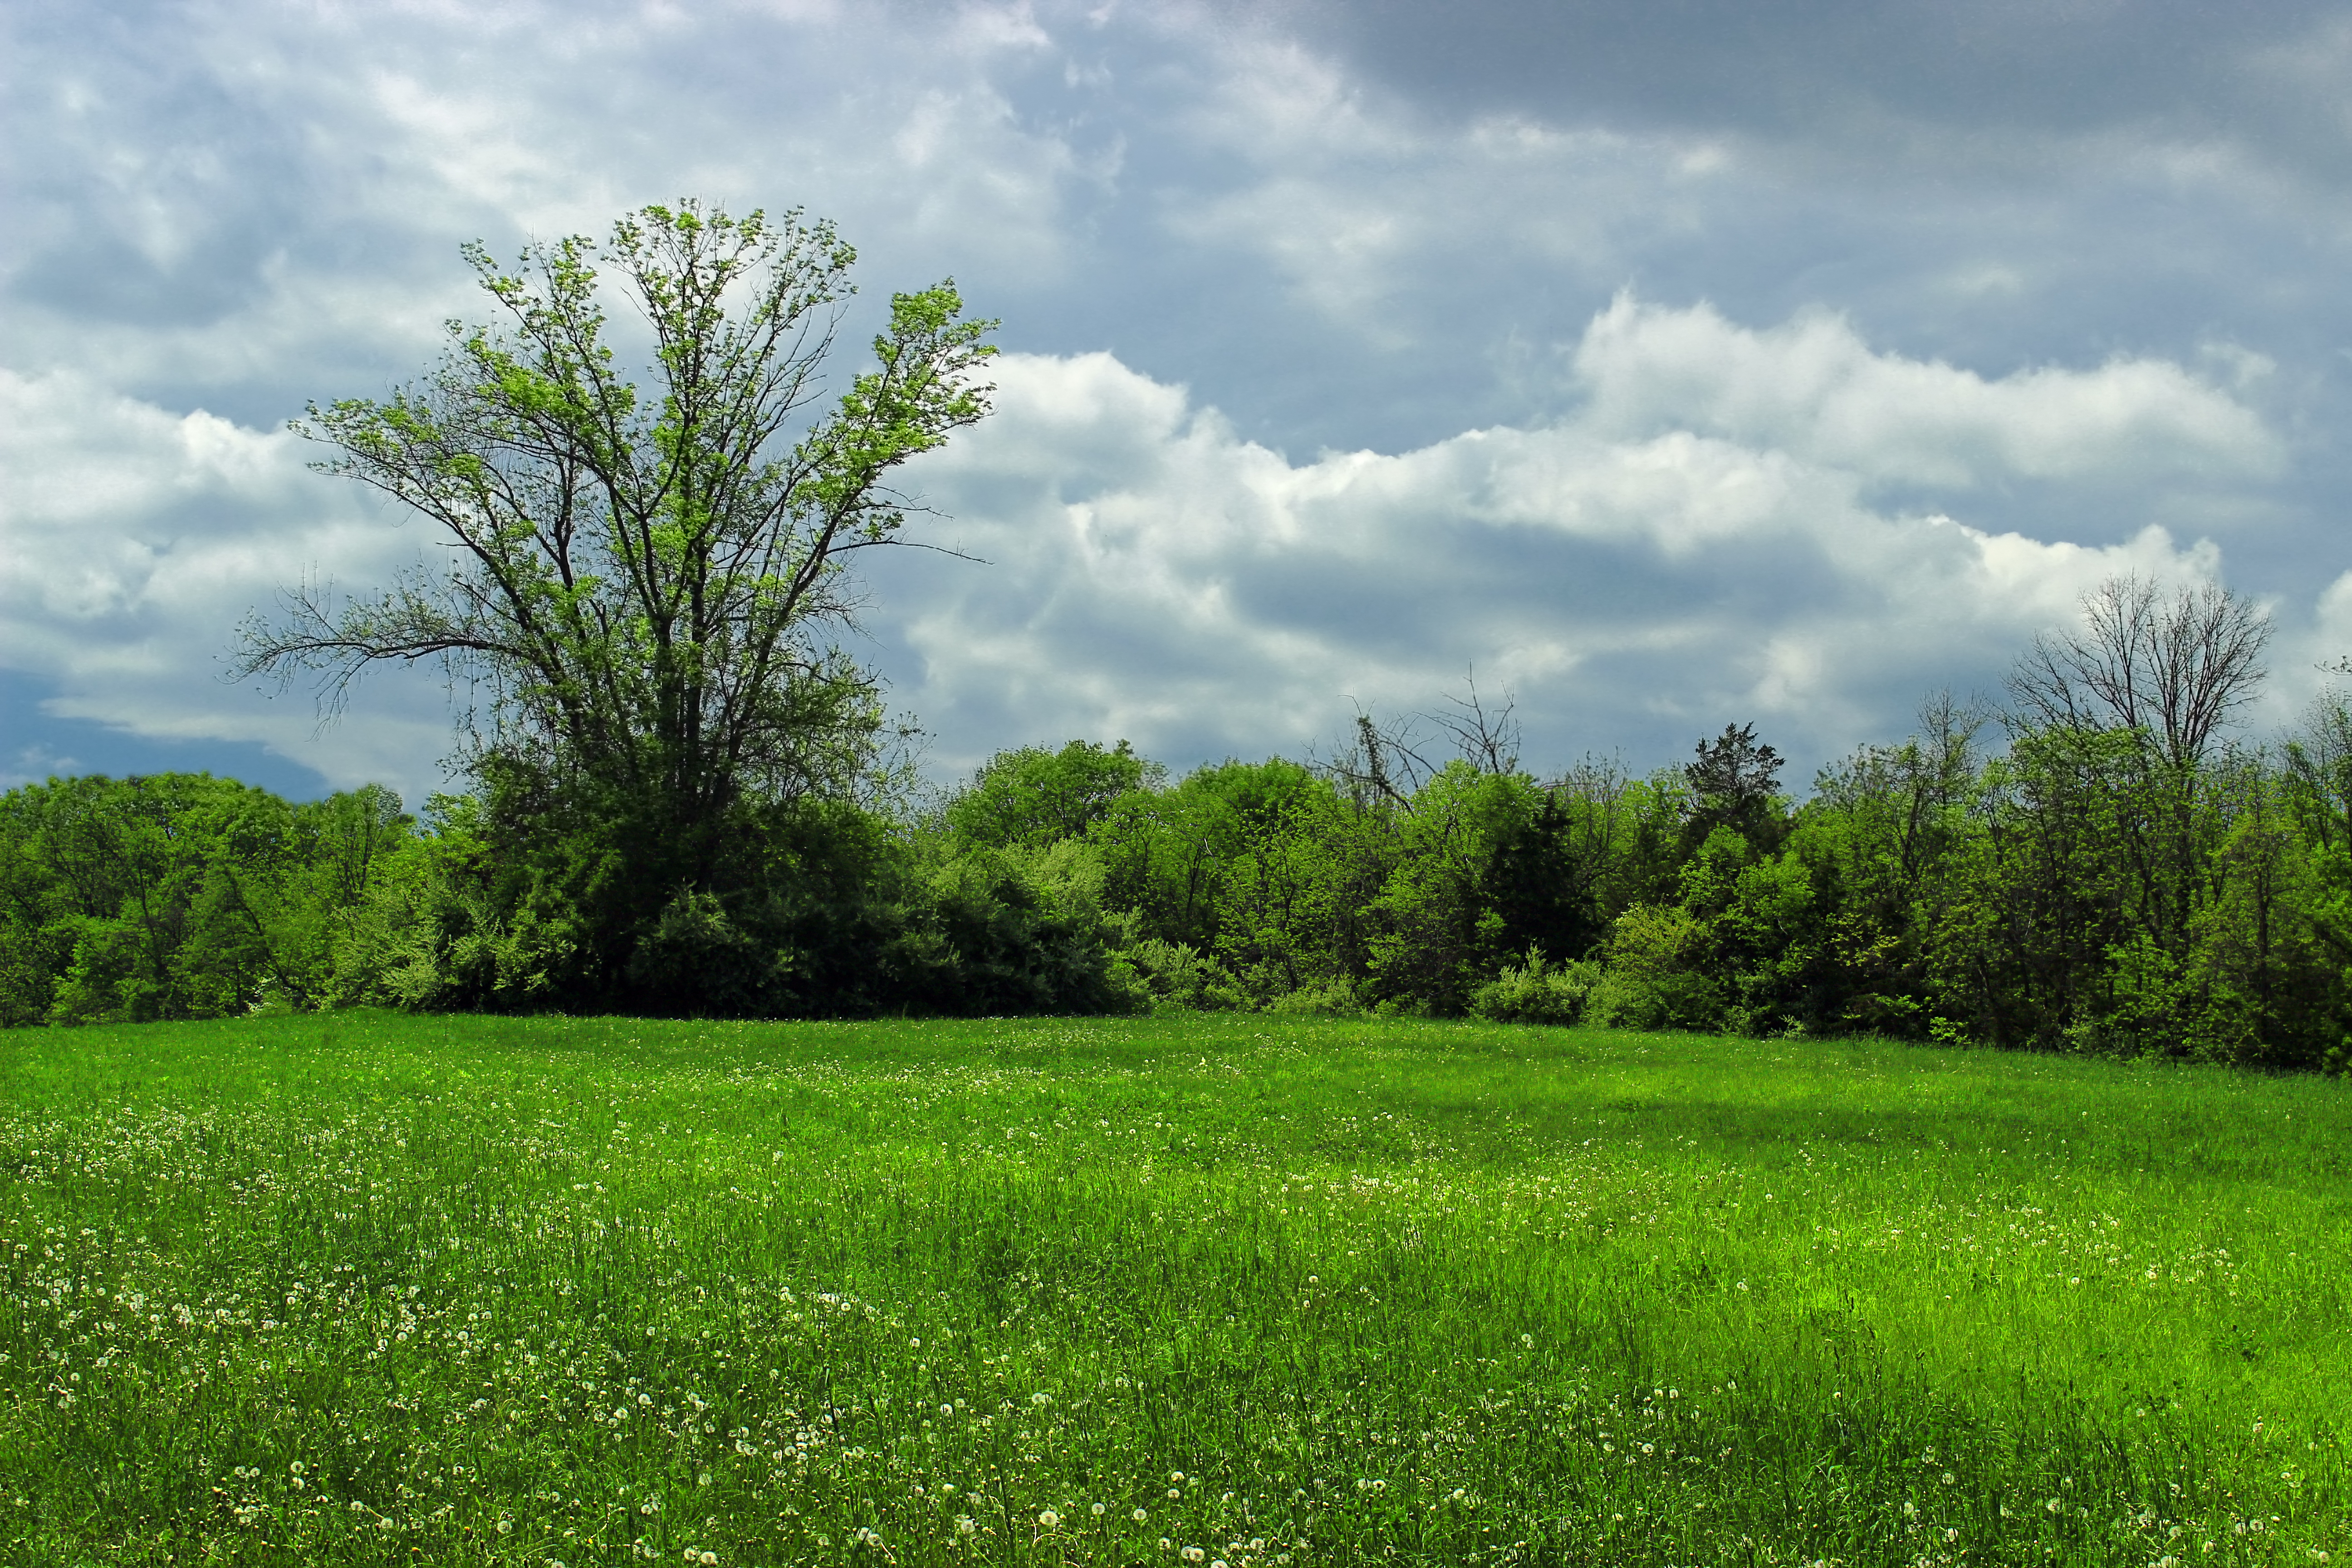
point(1668, 363)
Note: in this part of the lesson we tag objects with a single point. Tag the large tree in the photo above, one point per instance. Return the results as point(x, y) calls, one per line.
point(647, 578)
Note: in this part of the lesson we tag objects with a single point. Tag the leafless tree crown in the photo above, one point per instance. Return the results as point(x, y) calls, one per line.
point(2173, 665)
point(1485, 732)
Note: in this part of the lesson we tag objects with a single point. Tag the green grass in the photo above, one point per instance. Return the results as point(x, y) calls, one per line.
point(367, 1289)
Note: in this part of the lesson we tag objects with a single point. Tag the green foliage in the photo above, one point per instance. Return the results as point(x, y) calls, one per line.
point(1329, 999)
point(181, 895)
point(1540, 889)
point(1656, 973)
point(1735, 784)
point(1017, 929)
point(1535, 992)
point(1179, 976)
point(1431, 933)
point(646, 580)
point(184, 896)
point(2096, 889)
point(1034, 797)
point(828, 912)
point(447, 925)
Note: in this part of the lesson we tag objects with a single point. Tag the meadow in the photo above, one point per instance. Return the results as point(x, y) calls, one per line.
point(1225, 1289)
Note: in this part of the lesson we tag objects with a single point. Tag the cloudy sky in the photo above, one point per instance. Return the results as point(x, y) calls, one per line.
point(1671, 364)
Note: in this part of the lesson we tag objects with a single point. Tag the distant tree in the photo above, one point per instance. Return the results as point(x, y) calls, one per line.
point(1735, 782)
point(1541, 893)
point(179, 895)
point(1485, 733)
point(2319, 767)
point(2117, 729)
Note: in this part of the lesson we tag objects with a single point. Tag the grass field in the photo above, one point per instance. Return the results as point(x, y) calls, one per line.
point(368, 1288)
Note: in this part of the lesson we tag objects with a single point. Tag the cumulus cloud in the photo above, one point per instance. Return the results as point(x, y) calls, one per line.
point(1887, 88)
point(1811, 387)
point(1360, 203)
point(137, 540)
point(1629, 572)
point(1698, 541)
point(208, 199)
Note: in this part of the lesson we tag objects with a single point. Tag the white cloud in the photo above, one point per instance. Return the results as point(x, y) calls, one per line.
point(237, 200)
point(1160, 576)
point(137, 540)
point(1811, 387)
point(1360, 201)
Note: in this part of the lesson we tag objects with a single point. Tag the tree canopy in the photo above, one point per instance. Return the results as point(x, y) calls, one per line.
point(647, 579)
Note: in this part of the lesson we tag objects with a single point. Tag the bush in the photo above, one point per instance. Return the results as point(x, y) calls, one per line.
point(1536, 993)
point(443, 928)
point(1653, 979)
point(1178, 975)
point(1015, 930)
point(1331, 999)
point(699, 961)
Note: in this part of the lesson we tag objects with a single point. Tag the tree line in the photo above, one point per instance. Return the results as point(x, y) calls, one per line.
point(2097, 867)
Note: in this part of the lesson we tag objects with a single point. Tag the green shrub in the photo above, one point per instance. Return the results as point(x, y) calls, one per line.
point(1536, 992)
point(1330, 999)
point(1178, 975)
point(1015, 930)
point(1653, 980)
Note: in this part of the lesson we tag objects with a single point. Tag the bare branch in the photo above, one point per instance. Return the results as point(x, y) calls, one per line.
point(1489, 741)
point(2173, 667)
point(1378, 764)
